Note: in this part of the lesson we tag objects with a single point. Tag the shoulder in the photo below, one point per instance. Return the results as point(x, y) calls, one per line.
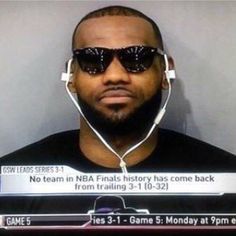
point(183, 150)
point(46, 149)
point(185, 142)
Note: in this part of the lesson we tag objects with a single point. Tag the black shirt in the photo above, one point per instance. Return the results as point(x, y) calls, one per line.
point(175, 152)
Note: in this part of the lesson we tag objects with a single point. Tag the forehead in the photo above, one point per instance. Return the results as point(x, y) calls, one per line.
point(115, 32)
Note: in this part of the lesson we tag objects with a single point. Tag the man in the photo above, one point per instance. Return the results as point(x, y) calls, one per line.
point(120, 103)
point(118, 76)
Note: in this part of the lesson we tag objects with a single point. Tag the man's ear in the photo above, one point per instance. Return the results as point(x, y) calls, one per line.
point(164, 83)
point(71, 84)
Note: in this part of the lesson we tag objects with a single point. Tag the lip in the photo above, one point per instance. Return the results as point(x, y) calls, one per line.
point(116, 96)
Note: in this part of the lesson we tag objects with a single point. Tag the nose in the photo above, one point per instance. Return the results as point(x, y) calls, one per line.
point(116, 73)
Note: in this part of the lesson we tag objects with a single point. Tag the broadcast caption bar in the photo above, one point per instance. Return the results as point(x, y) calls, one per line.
point(118, 220)
point(17, 180)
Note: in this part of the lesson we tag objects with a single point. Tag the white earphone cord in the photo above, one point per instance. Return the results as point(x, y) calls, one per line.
point(156, 121)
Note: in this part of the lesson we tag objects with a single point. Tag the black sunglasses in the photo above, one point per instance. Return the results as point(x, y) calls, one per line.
point(134, 59)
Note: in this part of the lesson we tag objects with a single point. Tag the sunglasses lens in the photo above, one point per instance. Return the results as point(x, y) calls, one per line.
point(94, 60)
point(137, 58)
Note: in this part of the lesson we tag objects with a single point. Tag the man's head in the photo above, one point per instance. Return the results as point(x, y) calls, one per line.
point(117, 100)
point(119, 11)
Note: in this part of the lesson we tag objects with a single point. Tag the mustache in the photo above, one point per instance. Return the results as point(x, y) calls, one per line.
point(116, 89)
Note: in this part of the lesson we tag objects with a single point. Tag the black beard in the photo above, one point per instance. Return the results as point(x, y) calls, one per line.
point(138, 122)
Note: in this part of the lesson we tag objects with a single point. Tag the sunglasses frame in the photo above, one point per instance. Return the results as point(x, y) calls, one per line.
point(77, 53)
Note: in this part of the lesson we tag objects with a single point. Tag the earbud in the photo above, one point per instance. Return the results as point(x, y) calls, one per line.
point(170, 74)
point(67, 77)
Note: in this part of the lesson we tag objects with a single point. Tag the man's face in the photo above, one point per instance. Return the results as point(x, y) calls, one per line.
point(117, 94)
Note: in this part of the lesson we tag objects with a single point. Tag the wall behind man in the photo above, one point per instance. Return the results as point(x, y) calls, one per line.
point(35, 43)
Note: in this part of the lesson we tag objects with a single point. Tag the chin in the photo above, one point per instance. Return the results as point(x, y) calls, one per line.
point(117, 116)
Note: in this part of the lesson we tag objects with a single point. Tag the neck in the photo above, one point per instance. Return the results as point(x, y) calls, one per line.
point(100, 155)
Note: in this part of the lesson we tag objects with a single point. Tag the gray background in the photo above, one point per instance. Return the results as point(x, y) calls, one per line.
point(35, 41)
